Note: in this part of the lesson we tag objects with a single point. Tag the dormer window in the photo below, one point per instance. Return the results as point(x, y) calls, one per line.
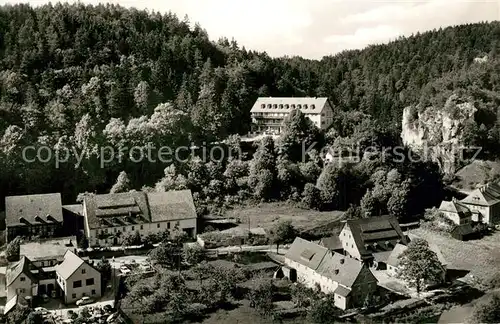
point(305, 106)
point(275, 106)
point(299, 106)
point(263, 106)
point(269, 106)
point(281, 106)
point(293, 106)
point(312, 106)
point(287, 106)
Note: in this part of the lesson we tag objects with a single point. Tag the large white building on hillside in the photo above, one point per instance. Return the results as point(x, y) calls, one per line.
point(269, 113)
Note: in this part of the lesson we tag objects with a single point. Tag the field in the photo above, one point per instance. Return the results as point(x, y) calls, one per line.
point(480, 257)
point(265, 215)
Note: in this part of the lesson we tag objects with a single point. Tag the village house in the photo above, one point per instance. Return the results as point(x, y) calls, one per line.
point(20, 279)
point(109, 217)
point(315, 266)
point(76, 279)
point(268, 114)
point(33, 216)
point(371, 240)
point(484, 204)
point(456, 211)
point(393, 262)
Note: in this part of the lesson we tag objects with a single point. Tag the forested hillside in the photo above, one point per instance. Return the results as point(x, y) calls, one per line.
point(77, 76)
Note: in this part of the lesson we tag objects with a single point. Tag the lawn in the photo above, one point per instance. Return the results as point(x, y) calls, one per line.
point(480, 257)
point(265, 215)
point(244, 314)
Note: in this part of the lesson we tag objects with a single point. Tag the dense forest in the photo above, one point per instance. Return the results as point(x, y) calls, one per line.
point(81, 77)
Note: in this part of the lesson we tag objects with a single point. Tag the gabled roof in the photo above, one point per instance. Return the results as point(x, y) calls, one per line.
point(48, 249)
point(171, 205)
point(331, 242)
point(376, 234)
point(76, 209)
point(342, 291)
point(393, 259)
point(34, 209)
point(23, 266)
point(487, 195)
point(284, 104)
point(306, 253)
point(455, 207)
point(340, 268)
point(109, 210)
point(70, 264)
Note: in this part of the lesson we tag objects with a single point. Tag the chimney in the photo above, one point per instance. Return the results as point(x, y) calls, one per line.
point(336, 271)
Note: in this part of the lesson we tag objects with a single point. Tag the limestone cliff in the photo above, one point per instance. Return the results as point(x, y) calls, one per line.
point(437, 133)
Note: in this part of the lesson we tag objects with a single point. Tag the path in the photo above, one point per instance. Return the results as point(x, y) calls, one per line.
point(250, 248)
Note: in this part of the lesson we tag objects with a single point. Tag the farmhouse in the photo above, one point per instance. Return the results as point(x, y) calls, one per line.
point(76, 279)
point(484, 203)
point(456, 211)
point(333, 273)
point(33, 216)
point(109, 217)
point(371, 239)
point(268, 114)
point(20, 280)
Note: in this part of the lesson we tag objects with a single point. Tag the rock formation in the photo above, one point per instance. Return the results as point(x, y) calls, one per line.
point(437, 133)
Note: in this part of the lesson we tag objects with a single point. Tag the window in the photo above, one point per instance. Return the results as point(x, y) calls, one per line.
point(22, 278)
point(73, 296)
point(21, 290)
point(77, 284)
point(133, 228)
point(305, 106)
point(293, 106)
point(124, 229)
point(89, 282)
point(299, 106)
point(142, 227)
point(287, 106)
point(158, 225)
point(93, 291)
point(168, 225)
point(263, 106)
point(323, 115)
point(83, 270)
point(269, 106)
point(275, 106)
point(281, 106)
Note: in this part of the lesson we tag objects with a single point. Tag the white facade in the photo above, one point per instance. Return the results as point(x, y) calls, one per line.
point(85, 281)
point(144, 230)
point(268, 114)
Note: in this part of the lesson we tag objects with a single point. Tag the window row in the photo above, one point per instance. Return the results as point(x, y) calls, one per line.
point(293, 106)
point(88, 282)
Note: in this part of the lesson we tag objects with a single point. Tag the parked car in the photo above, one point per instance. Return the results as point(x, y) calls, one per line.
point(108, 308)
point(41, 310)
point(124, 269)
point(84, 301)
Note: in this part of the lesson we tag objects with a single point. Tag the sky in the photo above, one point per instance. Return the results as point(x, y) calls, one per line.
point(315, 28)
